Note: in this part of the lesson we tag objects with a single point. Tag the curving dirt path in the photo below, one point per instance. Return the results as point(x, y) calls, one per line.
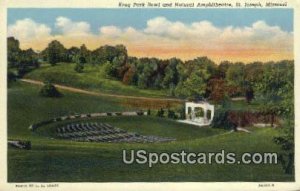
point(77, 90)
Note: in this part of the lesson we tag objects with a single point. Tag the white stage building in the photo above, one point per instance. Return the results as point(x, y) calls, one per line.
point(198, 113)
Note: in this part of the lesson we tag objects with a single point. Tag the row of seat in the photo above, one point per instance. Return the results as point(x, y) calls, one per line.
point(102, 132)
point(103, 127)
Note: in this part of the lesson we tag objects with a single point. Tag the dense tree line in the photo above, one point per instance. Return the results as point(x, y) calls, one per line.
point(22, 60)
point(195, 79)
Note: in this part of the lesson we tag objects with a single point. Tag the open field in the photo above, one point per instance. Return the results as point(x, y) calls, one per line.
point(67, 161)
point(93, 78)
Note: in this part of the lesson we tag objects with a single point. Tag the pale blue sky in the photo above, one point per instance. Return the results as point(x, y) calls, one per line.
point(137, 18)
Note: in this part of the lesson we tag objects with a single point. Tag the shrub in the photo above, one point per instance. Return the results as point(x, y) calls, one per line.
point(171, 114)
point(140, 113)
point(160, 113)
point(22, 70)
point(49, 90)
point(249, 94)
point(79, 67)
point(11, 76)
point(221, 120)
point(182, 112)
point(287, 142)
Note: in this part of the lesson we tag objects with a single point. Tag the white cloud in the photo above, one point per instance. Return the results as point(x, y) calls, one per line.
point(110, 31)
point(163, 27)
point(178, 30)
point(27, 29)
point(205, 35)
point(69, 27)
point(162, 35)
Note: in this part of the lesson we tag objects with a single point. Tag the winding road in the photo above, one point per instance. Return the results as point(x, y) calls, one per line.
point(77, 90)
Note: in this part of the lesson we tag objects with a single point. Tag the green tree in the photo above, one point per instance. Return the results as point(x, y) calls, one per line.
point(22, 60)
point(194, 86)
point(272, 88)
point(253, 72)
point(275, 91)
point(171, 77)
point(171, 114)
point(286, 139)
point(160, 113)
point(249, 93)
point(108, 69)
point(235, 74)
point(79, 67)
point(13, 51)
point(130, 76)
point(82, 56)
point(11, 76)
point(222, 68)
point(142, 81)
point(109, 53)
point(147, 72)
point(116, 57)
point(56, 52)
point(194, 76)
point(84, 52)
point(72, 54)
point(182, 112)
point(235, 77)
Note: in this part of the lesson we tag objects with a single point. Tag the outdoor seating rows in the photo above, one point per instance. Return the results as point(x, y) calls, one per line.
point(103, 132)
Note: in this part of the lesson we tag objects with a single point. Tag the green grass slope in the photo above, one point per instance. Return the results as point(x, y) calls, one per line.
point(93, 78)
point(66, 161)
point(26, 107)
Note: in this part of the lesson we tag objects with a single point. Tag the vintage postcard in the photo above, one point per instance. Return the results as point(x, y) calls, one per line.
point(166, 95)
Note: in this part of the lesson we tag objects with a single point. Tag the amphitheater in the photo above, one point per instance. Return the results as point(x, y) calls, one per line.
point(103, 132)
point(97, 132)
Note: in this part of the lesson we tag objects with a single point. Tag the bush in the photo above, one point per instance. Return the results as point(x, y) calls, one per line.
point(22, 70)
point(182, 112)
point(11, 76)
point(249, 94)
point(79, 68)
point(140, 113)
point(286, 140)
point(160, 113)
point(49, 90)
point(221, 120)
point(148, 112)
point(171, 114)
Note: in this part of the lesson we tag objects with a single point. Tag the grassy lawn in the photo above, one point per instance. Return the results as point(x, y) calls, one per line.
point(242, 105)
point(93, 78)
point(26, 107)
point(66, 161)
